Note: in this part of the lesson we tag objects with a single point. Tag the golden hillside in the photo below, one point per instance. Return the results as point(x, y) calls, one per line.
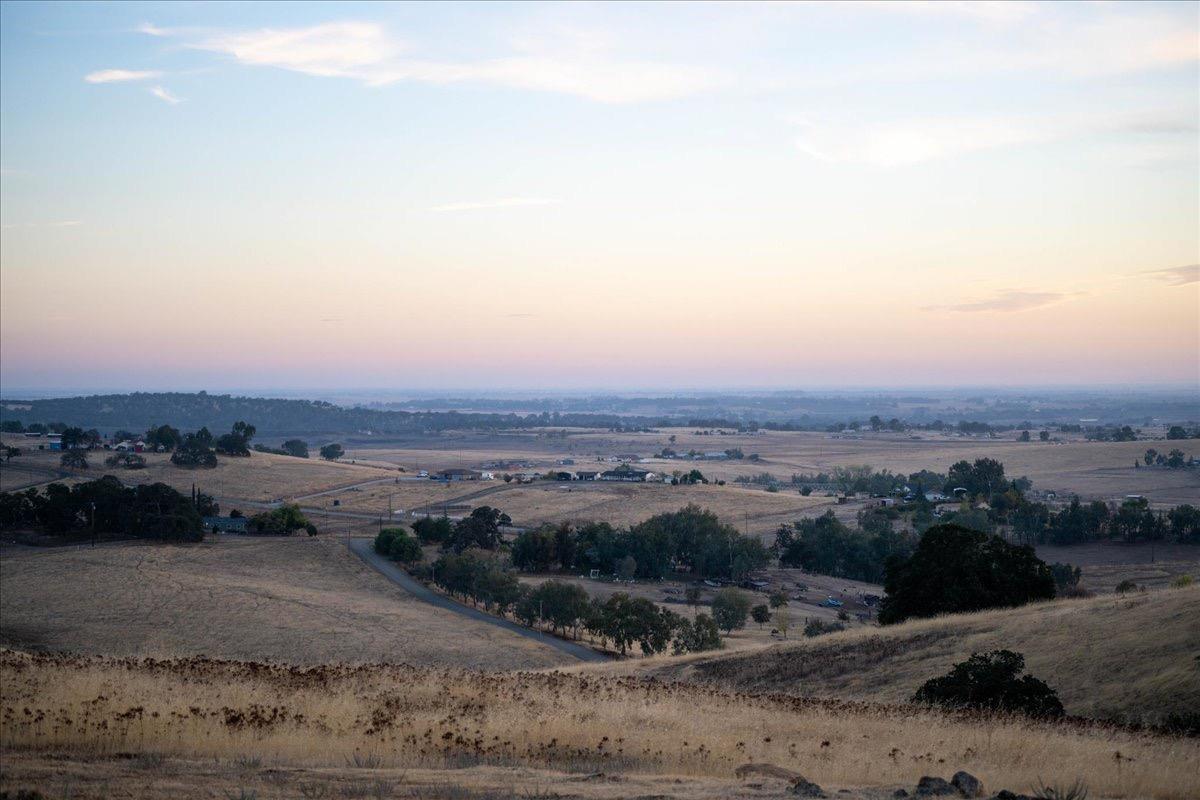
point(1135, 657)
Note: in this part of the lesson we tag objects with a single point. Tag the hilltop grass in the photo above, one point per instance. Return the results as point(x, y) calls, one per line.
point(405, 716)
point(1130, 658)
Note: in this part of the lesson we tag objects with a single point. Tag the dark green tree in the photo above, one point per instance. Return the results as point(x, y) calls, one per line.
point(698, 635)
point(74, 459)
point(761, 614)
point(296, 447)
point(955, 569)
point(990, 682)
point(163, 436)
point(433, 530)
point(481, 528)
point(730, 608)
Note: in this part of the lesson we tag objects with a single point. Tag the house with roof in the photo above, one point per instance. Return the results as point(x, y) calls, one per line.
point(460, 474)
point(624, 473)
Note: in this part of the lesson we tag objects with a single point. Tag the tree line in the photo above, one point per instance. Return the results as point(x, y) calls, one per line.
point(692, 539)
point(566, 608)
point(105, 506)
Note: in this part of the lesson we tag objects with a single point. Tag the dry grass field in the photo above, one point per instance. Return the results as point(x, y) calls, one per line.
point(255, 717)
point(616, 503)
point(804, 604)
point(298, 600)
point(1132, 657)
point(1104, 565)
point(1100, 470)
point(260, 477)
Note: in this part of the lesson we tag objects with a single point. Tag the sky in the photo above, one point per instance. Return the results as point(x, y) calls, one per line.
point(599, 196)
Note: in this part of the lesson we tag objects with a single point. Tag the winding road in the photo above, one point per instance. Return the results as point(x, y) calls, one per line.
point(364, 550)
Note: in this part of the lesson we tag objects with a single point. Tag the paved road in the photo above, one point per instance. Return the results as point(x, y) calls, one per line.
point(340, 489)
point(363, 549)
point(437, 506)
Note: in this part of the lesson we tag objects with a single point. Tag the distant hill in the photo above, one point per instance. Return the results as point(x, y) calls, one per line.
point(140, 410)
point(1134, 658)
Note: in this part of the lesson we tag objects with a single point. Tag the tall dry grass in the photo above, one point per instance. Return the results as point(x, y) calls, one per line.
point(397, 715)
point(1130, 658)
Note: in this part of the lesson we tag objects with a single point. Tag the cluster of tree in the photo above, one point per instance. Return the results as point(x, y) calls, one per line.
point(106, 507)
point(398, 545)
point(1078, 523)
point(566, 608)
point(1172, 460)
point(984, 478)
point(690, 539)
point(195, 451)
point(292, 447)
point(126, 460)
point(282, 521)
point(237, 441)
point(332, 452)
point(15, 426)
point(827, 546)
point(1124, 433)
point(954, 569)
point(992, 682)
point(732, 413)
point(137, 410)
point(433, 530)
point(74, 459)
point(75, 437)
point(865, 480)
point(1179, 432)
point(157, 436)
point(479, 529)
point(877, 423)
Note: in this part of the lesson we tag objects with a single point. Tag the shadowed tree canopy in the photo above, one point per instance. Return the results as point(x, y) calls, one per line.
point(955, 569)
point(989, 682)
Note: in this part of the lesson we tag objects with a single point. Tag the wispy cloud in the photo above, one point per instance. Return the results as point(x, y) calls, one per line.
point(914, 140)
point(909, 141)
point(1177, 276)
point(334, 49)
point(151, 29)
point(1008, 301)
point(503, 202)
point(120, 75)
point(165, 95)
point(367, 52)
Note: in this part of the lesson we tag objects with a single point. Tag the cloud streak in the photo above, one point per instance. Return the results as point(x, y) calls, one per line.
point(165, 95)
point(1007, 302)
point(368, 53)
point(503, 202)
point(1177, 276)
point(120, 75)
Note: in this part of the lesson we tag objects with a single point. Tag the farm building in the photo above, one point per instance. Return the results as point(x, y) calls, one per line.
point(587, 475)
point(460, 474)
point(624, 473)
point(225, 524)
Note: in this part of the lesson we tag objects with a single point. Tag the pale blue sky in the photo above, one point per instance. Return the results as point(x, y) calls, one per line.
point(292, 194)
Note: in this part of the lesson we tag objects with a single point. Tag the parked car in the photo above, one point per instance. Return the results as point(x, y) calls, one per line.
point(829, 602)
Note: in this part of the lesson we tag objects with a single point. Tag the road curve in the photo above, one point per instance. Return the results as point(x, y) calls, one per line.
point(363, 549)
